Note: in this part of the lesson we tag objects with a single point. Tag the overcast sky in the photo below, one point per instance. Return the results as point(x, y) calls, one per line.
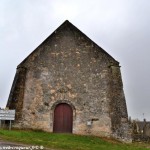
point(121, 27)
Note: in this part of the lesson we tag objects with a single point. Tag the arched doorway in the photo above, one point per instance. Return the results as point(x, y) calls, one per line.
point(63, 118)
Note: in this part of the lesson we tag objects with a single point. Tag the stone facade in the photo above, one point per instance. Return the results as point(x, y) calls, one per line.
point(70, 68)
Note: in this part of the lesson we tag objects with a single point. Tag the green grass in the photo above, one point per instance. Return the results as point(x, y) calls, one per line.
point(67, 141)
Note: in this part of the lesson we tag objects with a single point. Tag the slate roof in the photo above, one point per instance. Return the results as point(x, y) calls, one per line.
point(141, 124)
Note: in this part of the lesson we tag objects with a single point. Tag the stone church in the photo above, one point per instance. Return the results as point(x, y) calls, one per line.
point(69, 84)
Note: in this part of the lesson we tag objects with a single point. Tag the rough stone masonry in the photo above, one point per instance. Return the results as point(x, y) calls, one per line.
point(70, 82)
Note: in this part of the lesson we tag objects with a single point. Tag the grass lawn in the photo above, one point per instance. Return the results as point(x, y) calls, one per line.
point(67, 141)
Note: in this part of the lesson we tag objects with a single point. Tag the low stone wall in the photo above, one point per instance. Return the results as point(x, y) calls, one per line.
point(141, 138)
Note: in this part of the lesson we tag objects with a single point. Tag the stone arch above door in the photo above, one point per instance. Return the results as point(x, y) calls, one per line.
point(62, 101)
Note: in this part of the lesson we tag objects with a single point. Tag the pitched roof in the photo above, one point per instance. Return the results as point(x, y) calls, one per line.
point(141, 124)
point(64, 25)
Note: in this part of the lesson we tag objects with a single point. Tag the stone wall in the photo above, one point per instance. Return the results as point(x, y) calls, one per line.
point(68, 67)
point(16, 96)
point(119, 116)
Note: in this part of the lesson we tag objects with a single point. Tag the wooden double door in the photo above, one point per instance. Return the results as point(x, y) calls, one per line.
point(63, 118)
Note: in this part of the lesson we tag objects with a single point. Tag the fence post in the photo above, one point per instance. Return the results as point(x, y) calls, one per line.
point(10, 125)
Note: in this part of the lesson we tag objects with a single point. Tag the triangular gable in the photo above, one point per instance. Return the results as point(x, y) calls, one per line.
point(61, 27)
